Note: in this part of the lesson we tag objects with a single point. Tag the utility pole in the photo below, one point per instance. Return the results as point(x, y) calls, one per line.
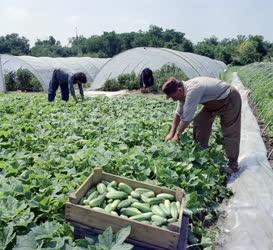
point(77, 39)
point(76, 29)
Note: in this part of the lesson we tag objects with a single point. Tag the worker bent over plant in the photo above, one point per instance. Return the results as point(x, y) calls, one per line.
point(218, 99)
point(66, 82)
point(146, 80)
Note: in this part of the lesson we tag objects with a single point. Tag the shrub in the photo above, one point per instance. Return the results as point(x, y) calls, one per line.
point(126, 81)
point(35, 85)
point(129, 80)
point(22, 80)
point(10, 81)
point(111, 85)
point(167, 71)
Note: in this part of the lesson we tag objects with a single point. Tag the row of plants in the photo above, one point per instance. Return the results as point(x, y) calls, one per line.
point(22, 80)
point(131, 81)
point(48, 149)
point(258, 77)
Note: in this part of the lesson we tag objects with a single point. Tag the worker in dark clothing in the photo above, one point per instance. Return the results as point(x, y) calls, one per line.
point(146, 80)
point(66, 82)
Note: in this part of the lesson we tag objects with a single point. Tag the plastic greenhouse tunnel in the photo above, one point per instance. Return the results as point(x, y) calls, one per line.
point(42, 67)
point(135, 60)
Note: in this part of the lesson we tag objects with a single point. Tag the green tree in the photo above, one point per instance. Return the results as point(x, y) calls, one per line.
point(269, 49)
point(51, 47)
point(79, 45)
point(246, 53)
point(14, 44)
point(111, 43)
point(230, 51)
point(207, 47)
point(126, 40)
point(260, 44)
point(177, 41)
point(155, 36)
point(224, 50)
point(139, 40)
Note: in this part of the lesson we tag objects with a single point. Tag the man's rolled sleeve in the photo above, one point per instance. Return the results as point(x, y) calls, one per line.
point(179, 109)
point(192, 100)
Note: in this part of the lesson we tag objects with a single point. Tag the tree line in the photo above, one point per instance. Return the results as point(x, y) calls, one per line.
point(236, 51)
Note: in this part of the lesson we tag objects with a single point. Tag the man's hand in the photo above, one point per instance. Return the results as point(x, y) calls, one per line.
point(176, 138)
point(169, 137)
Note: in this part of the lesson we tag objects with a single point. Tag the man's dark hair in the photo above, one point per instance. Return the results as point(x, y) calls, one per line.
point(80, 77)
point(171, 86)
point(146, 78)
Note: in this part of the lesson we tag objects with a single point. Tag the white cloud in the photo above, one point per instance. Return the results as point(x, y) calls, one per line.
point(73, 20)
point(124, 19)
point(133, 23)
point(140, 22)
point(15, 14)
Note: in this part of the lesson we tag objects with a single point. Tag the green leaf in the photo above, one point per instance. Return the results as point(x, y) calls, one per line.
point(106, 239)
point(122, 235)
point(24, 219)
point(25, 242)
point(123, 246)
point(11, 208)
point(55, 243)
point(208, 248)
point(48, 230)
point(85, 243)
point(6, 236)
point(206, 241)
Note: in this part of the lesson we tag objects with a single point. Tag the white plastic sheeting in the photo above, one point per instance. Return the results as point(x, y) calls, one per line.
point(2, 83)
point(249, 221)
point(92, 93)
point(135, 60)
point(42, 67)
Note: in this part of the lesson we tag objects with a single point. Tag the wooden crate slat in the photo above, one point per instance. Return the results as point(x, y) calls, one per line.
point(140, 231)
point(82, 231)
point(91, 181)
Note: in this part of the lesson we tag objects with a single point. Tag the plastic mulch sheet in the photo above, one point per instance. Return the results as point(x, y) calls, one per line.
point(248, 223)
point(2, 85)
point(92, 93)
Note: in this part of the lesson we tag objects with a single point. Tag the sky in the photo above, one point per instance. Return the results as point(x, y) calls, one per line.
point(198, 19)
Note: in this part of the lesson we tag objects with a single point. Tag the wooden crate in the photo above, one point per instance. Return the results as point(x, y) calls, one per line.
point(147, 236)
